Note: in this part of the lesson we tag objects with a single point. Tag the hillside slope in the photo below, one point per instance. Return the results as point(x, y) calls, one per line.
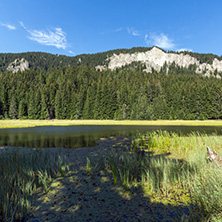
point(151, 58)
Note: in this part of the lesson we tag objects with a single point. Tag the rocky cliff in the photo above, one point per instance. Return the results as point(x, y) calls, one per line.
point(152, 58)
point(18, 65)
point(156, 58)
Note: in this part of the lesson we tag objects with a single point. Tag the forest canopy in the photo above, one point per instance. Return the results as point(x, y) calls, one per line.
point(81, 92)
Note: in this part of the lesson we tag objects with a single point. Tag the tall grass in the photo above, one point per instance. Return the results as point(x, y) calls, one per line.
point(162, 162)
point(155, 171)
point(21, 173)
point(175, 143)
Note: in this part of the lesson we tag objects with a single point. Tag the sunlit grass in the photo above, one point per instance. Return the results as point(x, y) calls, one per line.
point(172, 169)
point(33, 123)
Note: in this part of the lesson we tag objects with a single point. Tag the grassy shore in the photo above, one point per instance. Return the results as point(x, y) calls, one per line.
point(173, 169)
point(33, 123)
point(168, 169)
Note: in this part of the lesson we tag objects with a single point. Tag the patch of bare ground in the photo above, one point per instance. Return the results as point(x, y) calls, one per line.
point(84, 196)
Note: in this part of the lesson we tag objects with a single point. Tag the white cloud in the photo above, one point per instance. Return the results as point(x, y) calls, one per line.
point(71, 52)
point(146, 39)
point(184, 49)
point(133, 32)
point(22, 24)
point(162, 41)
point(10, 27)
point(118, 29)
point(111, 31)
point(55, 38)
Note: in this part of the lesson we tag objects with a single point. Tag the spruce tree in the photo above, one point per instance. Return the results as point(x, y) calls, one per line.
point(22, 109)
point(13, 111)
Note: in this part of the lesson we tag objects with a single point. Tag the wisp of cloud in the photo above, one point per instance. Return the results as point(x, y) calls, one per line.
point(10, 27)
point(133, 32)
point(55, 38)
point(161, 41)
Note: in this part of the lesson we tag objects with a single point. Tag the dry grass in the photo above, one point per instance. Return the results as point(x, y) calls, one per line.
point(33, 123)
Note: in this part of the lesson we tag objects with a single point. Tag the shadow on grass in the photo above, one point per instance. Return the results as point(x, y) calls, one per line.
point(81, 196)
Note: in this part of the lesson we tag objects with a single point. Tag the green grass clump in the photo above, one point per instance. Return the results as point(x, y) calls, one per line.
point(166, 164)
point(155, 171)
point(177, 145)
point(21, 173)
point(207, 192)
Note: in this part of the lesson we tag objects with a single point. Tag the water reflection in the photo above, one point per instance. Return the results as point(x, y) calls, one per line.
point(82, 136)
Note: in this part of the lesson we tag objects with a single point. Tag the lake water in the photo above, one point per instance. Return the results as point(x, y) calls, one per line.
point(82, 136)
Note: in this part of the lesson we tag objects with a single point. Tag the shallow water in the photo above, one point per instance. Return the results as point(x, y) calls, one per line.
point(82, 136)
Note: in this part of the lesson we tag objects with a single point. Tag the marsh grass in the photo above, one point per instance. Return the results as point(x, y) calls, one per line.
point(172, 166)
point(21, 173)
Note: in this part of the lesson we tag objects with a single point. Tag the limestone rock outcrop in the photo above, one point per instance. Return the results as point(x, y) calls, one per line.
point(156, 58)
point(18, 65)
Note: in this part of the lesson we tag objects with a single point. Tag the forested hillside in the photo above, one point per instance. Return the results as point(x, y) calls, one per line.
point(46, 61)
point(81, 92)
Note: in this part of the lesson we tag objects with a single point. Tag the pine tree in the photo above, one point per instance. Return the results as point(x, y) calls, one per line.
point(31, 107)
point(13, 111)
point(44, 108)
point(58, 105)
point(22, 109)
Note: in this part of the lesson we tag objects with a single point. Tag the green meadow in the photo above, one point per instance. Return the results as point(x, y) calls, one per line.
point(33, 123)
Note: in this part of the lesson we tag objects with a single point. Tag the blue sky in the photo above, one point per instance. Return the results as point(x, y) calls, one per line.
point(73, 27)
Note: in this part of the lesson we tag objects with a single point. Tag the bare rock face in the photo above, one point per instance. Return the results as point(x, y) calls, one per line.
point(18, 65)
point(156, 58)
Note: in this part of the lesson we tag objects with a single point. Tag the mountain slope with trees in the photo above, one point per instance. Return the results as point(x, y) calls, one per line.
point(64, 87)
point(84, 93)
point(46, 61)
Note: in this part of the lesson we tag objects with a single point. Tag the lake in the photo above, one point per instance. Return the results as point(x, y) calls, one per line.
point(83, 136)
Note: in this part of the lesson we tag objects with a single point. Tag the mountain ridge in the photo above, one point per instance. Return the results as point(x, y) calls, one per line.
point(153, 58)
point(156, 58)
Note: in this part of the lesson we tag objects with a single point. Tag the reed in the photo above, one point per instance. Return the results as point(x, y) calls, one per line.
point(164, 162)
point(21, 173)
point(207, 191)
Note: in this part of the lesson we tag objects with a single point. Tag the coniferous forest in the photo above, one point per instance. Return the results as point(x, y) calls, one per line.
point(81, 92)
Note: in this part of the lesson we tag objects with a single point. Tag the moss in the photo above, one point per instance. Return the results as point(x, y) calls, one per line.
point(174, 196)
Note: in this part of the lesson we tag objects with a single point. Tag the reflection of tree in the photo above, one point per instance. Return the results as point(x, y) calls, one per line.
point(89, 136)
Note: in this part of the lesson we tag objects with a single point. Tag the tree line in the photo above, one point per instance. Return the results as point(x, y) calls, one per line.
point(81, 92)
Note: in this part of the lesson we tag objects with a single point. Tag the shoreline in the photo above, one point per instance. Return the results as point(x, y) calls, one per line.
point(4, 124)
point(78, 155)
